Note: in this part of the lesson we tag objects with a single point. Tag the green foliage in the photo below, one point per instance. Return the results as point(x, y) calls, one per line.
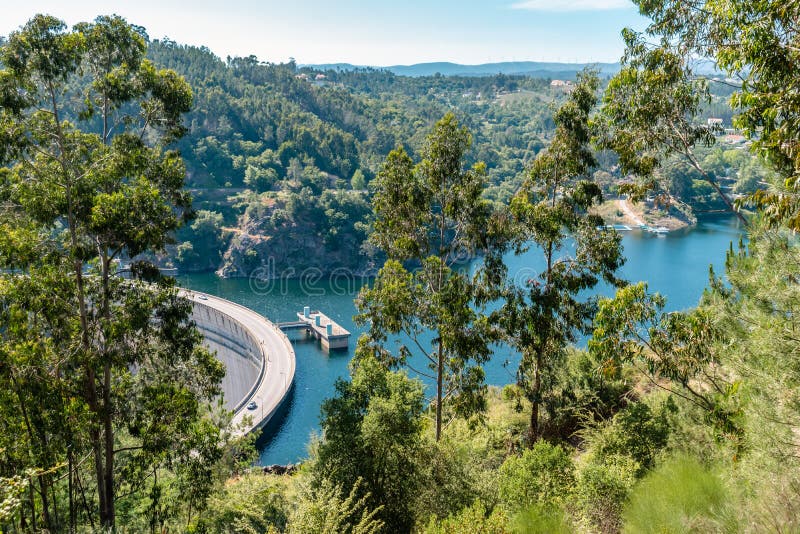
point(432, 215)
point(204, 239)
point(637, 433)
point(538, 519)
point(541, 318)
point(452, 476)
point(114, 368)
point(252, 119)
point(372, 432)
point(602, 487)
point(755, 42)
point(584, 392)
point(306, 230)
point(680, 496)
point(474, 519)
point(753, 309)
point(324, 509)
point(684, 185)
point(543, 475)
point(358, 182)
point(682, 347)
point(252, 504)
point(12, 490)
point(763, 494)
point(651, 103)
point(259, 179)
point(650, 112)
point(105, 389)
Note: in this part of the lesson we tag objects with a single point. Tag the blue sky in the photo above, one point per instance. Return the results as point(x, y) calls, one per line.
point(365, 32)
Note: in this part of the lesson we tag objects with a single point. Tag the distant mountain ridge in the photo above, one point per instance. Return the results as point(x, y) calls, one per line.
point(531, 68)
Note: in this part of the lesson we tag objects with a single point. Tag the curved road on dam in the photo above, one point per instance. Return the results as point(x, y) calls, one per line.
point(262, 373)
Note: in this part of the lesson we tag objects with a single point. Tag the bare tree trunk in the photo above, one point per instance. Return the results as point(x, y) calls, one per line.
point(439, 385)
point(97, 449)
point(45, 503)
point(108, 474)
point(34, 435)
point(90, 385)
point(32, 499)
point(108, 430)
point(535, 397)
point(86, 507)
point(71, 491)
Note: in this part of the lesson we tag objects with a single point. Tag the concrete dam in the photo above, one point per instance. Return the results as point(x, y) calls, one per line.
point(259, 359)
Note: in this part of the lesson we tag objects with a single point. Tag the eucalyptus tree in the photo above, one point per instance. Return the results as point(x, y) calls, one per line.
point(652, 109)
point(681, 353)
point(753, 46)
point(373, 440)
point(550, 214)
point(86, 122)
point(428, 218)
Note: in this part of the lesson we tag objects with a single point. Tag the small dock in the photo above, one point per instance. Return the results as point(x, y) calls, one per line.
point(331, 334)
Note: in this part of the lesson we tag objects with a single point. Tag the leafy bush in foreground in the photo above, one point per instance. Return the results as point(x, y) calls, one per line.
point(680, 496)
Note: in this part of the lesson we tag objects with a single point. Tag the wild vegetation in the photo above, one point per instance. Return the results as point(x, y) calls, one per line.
point(282, 157)
point(106, 402)
point(667, 422)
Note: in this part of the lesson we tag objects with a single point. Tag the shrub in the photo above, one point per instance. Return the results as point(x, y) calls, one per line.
point(372, 430)
point(636, 432)
point(541, 520)
point(473, 519)
point(449, 477)
point(602, 488)
point(542, 475)
point(325, 509)
point(680, 496)
point(511, 392)
point(585, 392)
point(260, 179)
point(252, 503)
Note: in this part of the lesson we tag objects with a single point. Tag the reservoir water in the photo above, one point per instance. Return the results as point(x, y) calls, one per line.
point(675, 264)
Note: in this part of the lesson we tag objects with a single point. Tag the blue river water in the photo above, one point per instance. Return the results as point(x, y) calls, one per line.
point(675, 264)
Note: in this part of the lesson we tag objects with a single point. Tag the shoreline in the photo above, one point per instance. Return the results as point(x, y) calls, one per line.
point(622, 211)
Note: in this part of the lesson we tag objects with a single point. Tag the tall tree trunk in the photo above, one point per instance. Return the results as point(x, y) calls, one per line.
point(37, 439)
point(54, 499)
point(439, 285)
point(108, 430)
point(535, 398)
point(439, 392)
point(90, 384)
point(32, 499)
point(71, 491)
point(108, 474)
point(97, 448)
point(45, 503)
point(86, 507)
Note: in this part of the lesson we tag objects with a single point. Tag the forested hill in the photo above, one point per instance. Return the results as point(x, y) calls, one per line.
point(281, 156)
point(527, 68)
point(345, 120)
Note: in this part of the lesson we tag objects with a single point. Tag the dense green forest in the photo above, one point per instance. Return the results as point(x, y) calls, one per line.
point(283, 156)
point(667, 422)
point(286, 159)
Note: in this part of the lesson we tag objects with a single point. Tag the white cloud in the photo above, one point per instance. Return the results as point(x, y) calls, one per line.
point(571, 5)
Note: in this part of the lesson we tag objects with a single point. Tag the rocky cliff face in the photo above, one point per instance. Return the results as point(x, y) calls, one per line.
point(294, 236)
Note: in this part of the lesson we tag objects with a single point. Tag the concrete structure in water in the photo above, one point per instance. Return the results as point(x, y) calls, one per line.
point(317, 324)
point(258, 357)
